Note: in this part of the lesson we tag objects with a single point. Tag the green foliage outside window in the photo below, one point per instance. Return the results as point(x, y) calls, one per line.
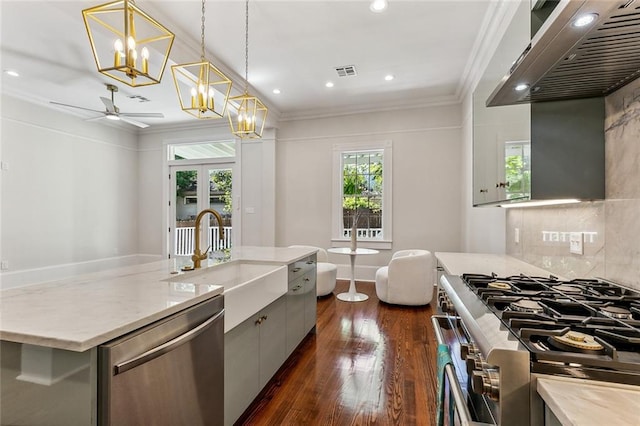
point(223, 180)
point(362, 182)
point(518, 176)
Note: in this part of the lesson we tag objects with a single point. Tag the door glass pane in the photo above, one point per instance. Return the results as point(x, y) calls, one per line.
point(220, 198)
point(186, 209)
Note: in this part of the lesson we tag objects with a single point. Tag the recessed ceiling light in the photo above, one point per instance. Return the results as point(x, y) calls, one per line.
point(12, 73)
point(389, 77)
point(378, 6)
point(329, 84)
point(276, 91)
point(584, 20)
point(522, 86)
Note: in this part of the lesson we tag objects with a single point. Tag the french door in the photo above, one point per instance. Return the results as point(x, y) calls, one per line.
point(194, 188)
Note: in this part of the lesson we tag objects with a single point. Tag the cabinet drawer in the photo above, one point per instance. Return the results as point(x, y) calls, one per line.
point(302, 284)
point(301, 267)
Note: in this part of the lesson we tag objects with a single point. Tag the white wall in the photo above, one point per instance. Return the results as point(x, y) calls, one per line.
point(426, 179)
point(69, 195)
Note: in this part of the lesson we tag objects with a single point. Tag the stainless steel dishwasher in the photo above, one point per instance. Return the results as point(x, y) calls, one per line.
point(168, 373)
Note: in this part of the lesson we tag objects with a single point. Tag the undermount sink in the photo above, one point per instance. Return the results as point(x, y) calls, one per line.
point(248, 286)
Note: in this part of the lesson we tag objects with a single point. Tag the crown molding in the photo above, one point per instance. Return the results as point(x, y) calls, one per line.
point(494, 25)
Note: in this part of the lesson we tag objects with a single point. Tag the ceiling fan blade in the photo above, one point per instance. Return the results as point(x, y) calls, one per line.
point(142, 114)
point(134, 122)
point(95, 118)
point(78, 107)
point(109, 104)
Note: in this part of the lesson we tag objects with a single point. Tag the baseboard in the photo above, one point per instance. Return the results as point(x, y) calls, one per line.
point(27, 277)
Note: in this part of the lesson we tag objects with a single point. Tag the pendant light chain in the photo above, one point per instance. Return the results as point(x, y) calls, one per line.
point(202, 33)
point(246, 48)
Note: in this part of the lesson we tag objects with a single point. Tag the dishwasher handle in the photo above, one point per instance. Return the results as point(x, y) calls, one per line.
point(166, 347)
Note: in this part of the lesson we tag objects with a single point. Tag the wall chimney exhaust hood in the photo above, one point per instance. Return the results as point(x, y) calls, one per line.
point(569, 61)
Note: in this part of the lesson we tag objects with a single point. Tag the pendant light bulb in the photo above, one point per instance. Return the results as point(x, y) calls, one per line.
point(117, 45)
point(131, 43)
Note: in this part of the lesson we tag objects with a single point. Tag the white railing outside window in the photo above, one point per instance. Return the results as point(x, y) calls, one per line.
point(371, 233)
point(184, 241)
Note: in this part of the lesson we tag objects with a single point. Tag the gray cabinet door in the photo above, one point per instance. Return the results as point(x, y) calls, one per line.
point(295, 313)
point(272, 339)
point(310, 300)
point(242, 368)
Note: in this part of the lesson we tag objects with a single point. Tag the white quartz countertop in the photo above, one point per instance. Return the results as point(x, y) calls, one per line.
point(84, 311)
point(577, 402)
point(482, 263)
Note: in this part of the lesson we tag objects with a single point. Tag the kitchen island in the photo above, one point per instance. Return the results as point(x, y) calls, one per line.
point(560, 400)
point(50, 331)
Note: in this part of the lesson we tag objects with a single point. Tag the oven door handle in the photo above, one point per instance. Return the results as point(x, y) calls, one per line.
point(455, 389)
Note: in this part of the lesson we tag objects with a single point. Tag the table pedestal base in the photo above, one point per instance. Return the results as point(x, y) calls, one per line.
point(352, 297)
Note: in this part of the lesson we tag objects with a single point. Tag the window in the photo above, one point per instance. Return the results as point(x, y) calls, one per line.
point(362, 183)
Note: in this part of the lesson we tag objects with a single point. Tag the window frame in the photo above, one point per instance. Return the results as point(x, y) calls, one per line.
point(337, 238)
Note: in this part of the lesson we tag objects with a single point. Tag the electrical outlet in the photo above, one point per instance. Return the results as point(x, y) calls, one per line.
point(576, 243)
point(516, 236)
point(4, 265)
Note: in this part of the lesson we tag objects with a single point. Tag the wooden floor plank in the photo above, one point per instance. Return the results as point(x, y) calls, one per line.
point(369, 363)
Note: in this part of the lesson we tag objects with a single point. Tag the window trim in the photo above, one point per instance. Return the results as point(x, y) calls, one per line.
point(337, 240)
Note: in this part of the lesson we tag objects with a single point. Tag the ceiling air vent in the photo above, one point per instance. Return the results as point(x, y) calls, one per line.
point(346, 71)
point(138, 98)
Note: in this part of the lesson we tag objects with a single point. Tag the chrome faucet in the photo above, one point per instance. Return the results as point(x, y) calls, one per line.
point(198, 256)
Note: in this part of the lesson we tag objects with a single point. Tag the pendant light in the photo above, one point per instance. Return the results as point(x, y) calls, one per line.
point(128, 45)
point(203, 90)
point(247, 113)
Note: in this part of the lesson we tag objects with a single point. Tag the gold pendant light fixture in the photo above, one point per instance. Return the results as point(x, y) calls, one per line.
point(128, 45)
point(247, 114)
point(203, 90)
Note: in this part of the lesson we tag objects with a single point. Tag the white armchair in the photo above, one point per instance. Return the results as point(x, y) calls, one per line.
point(327, 273)
point(408, 280)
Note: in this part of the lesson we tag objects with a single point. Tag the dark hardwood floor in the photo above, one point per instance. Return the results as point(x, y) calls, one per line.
point(369, 363)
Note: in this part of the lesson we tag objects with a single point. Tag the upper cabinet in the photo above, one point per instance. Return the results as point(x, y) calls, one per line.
point(501, 135)
point(543, 151)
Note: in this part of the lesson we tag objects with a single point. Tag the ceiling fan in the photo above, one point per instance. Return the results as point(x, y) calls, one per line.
point(112, 112)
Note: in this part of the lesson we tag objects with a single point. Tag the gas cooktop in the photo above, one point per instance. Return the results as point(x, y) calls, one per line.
point(585, 328)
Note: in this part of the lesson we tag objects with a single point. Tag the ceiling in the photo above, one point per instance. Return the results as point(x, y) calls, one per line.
point(294, 46)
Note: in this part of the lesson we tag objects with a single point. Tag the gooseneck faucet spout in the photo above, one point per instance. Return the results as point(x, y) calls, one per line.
point(198, 256)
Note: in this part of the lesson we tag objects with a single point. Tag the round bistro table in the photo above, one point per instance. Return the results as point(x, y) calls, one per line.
point(352, 295)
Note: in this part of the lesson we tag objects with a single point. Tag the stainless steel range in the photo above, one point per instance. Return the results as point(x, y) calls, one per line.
point(504, 332)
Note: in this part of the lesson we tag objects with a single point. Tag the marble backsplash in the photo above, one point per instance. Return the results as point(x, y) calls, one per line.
point(611, 227)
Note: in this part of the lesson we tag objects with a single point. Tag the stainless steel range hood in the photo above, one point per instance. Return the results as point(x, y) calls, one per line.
point(564, 61)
